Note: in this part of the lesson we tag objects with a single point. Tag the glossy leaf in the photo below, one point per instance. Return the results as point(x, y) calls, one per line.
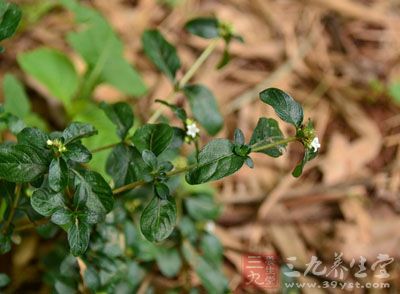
point(121, 164)
point(46, 202)
point(204, 108)
point(179, 111)
point(76, 131)
point(77, 152)
point(22, 163)
point(205, 27)
point(266, 132)
point(161, 190)
point(53, 70)
point(153, 137)
point(62, 216)
point(308, 155)
point(158, 219)
point(238, 137)
point(216, 160)
point(78, 237)
point(95, 189)
point(150, 159)
point(58, 174)
point(161, 53)
point(10, 16)
point(284, 105)
point(32, 136)
point(121, 115)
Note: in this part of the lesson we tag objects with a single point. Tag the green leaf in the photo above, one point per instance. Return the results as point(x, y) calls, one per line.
point(16, 101)
point(308, 155)
point(212, 249)
point(54, 70)
point(102, 49)
point(4, 280)
point(10, 16)
point(5, 244)
point(249, 162)
point(58, 174)
point(216, 160)
point(179, 111)
point(62, 216)
point(161, 190)
point(202, 207)
point(76, 131)
point(238, 137)
point(120, 74)
point(14, 123)
point(22, 163)
point(394, 91)
point(95, 116)
point(284, 105)
point(78, 237)
point(169, 261)
point(161, 53)
point(205, 27)
point(158, 219)
point(153, 137)
point(266, 132)
point(212, 279)
point(150, 159)
point(77, 152)
point(91, 278)
point(32, 136)
point(225, 59)
point(91, 186)
point(204, 108)
point(121, 115)
point(46, 202)
point(120, 164)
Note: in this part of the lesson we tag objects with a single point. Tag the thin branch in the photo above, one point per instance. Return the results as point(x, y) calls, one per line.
point(189, 167)
point(13, 208)
point(189, 74)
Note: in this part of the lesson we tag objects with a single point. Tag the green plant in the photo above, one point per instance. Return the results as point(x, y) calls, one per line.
point(139, 212)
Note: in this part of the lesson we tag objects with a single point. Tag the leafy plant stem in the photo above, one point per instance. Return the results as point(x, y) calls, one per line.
point(272, 145)
point(198, 63)
point(188, 75)
point(13, 208)
point(95, 150)
point(186, 168)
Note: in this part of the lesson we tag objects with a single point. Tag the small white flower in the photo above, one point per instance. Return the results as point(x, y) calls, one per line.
point(210, 227)
point(315, 145)
point(49, 142)
point(192, 130)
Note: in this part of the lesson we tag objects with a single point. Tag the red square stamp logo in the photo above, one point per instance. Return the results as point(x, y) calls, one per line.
point(260, 270)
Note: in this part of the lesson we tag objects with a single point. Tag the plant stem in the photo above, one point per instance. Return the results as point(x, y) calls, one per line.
point(273, 144)
point(13, 208)
point(189, 167)
point(188, 75)
point(31, 225)
point(104, 147)
point(196, 65)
